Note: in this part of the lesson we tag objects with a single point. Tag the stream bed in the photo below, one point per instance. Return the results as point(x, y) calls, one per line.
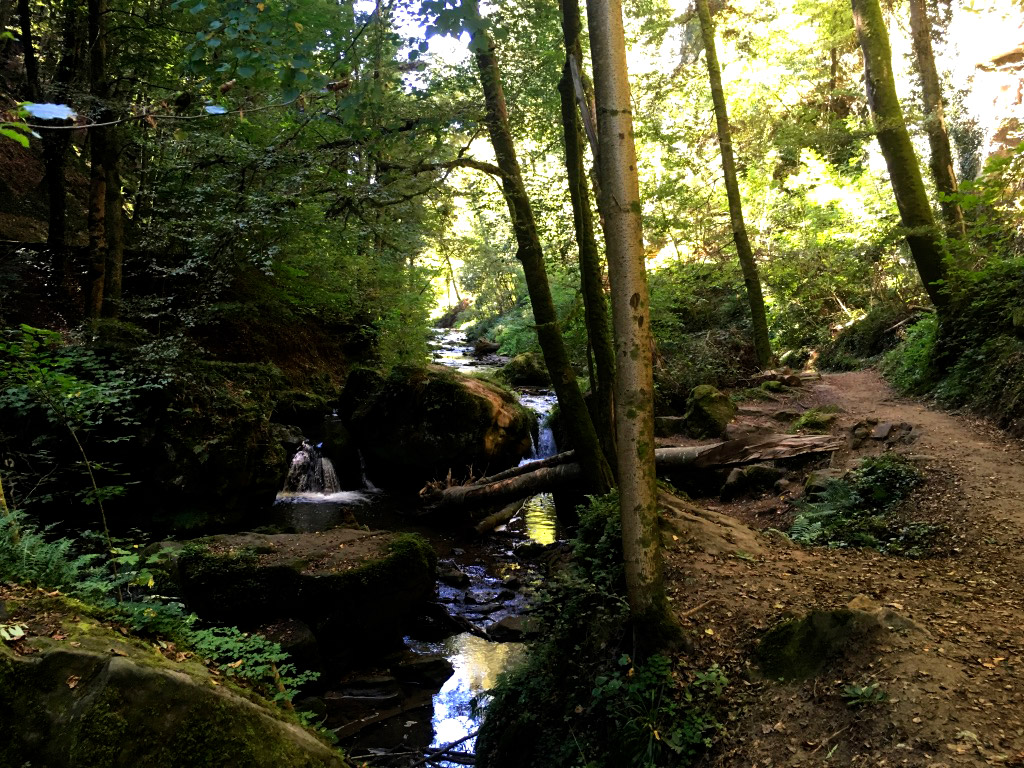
point(482, 581)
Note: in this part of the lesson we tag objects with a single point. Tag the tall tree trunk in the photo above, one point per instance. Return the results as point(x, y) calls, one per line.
point(751, 279)
point(55, 148)
point(595, 306)
point(530, 254)
point(28, 51)
point(98, 158)
point(894, 141)
point(634, 382)
point(941, 161)
point(114, 230)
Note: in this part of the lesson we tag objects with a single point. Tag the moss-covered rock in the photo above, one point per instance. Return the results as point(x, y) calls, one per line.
point(708, 412)
point(97, 698)
point(801, 648)
point(526, 370)
point(420, 423)
point(356, 590)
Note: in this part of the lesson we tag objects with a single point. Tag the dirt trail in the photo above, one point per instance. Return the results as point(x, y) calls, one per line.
point(955, 678)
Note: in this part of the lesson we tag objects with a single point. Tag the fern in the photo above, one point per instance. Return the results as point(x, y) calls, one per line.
point(29, 555)
point(857, 511)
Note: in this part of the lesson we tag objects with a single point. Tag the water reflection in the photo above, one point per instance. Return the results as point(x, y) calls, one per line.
point(477, 663)
point(540, 519)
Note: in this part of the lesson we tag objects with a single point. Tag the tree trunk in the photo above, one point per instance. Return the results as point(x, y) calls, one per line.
point(751, 279)
point(894, 141)
point(98, 158)
point(941, 162)
point(597, 471)
point(595, 306)
point(55, 148)
point(114, 230)
point(634, 382)
point(28, 51)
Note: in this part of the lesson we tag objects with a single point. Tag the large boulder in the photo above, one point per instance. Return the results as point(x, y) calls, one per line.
point(356, 590)
point(85, 695)
point(421, 423)
point(526, 370)
point(708, 412)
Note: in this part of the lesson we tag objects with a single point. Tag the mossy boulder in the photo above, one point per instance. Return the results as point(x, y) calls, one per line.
point(526, 370)
point(98, 698)
point(419, 423)
point(708, 412)
point(799, 648)
point(356, 590)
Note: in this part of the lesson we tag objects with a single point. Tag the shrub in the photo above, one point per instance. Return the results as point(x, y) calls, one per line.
point(908, 367)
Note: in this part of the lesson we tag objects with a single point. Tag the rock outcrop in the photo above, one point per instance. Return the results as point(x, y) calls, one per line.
point(357, 591)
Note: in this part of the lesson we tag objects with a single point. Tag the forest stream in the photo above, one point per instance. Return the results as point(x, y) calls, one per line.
point(482, 581)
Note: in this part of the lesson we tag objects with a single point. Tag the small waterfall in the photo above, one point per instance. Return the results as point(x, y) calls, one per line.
point(311, 472)
point(540, 402)
point(545, 445)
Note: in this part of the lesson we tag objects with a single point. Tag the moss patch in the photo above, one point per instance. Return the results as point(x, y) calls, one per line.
point(817, 420)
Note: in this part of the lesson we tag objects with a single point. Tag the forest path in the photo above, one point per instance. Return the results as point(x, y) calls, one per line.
point(955, 679)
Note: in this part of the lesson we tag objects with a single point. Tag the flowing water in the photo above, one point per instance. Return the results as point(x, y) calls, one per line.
point(312, 501)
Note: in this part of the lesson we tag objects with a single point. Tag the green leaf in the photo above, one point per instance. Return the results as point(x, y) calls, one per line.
point(197, 8)
point(18, 137)
point(246, 71)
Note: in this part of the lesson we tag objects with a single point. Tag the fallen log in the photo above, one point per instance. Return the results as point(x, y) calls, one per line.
point(746, 450)
point(558, 473)
point(543, 480)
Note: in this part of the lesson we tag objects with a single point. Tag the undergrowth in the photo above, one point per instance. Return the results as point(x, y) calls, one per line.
point(975, 357)
point(581, 699)
point(859, 509)
point(121, 585)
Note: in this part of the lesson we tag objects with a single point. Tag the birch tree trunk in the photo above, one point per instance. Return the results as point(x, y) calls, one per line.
point(634, 385)
point(941, 160)
point(597, 472)
point(751, 279)
point(595, 306)
point(894, 141)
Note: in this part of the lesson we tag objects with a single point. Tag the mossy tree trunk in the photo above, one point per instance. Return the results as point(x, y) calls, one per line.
point(595, 305)
point(904, 171)
point(941, 160)
point(751, 279)
point(597, 471)
point(634, 383)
